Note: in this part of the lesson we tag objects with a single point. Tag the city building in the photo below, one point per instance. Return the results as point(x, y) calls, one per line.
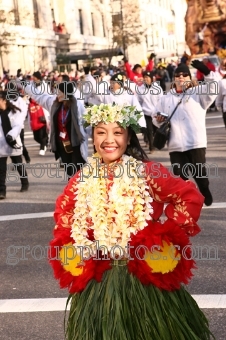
point(163, 27)
point(28, 39)
point(39, 34)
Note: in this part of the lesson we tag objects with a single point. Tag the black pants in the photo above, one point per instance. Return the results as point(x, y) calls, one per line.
point(194, 161)
point(163, 84)
point(16, 160)
point(150, 131)
point(224, 118)
point(73, 158)
point(25, 152)
point(41, 137)
point(212, 106)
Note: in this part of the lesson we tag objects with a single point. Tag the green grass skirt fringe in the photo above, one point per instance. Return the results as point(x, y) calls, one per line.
point(121, 308)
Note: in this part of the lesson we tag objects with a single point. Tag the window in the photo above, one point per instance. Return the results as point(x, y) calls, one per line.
point(35, 11)
point(80, 21)
point(16, 12)
point(53, 15)
point(44, 57)
point(104, 32)
point(93, 26)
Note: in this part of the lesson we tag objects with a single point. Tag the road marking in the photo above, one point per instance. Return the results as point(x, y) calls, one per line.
point(26, 216)
point(211, 117)
point(59, 304)
point(218, 205)
point(215, 127)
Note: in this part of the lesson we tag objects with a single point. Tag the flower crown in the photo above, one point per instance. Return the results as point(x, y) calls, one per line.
point(125, 116)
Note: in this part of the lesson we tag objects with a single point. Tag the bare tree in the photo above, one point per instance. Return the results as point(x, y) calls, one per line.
point(125, 27)
point(126, 24)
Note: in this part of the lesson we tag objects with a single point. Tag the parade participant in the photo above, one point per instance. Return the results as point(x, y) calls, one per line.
point(188, 141)
point(11, 123)
point(148, 96)
point(151, 63)
point(137, 269)
point(116, 93)
point(68, 139)
point(65, 78)
point(135, 73)
point(221, 98)
point(21, 103)
point(222, 69)
point(162, 76)
point(38, 123)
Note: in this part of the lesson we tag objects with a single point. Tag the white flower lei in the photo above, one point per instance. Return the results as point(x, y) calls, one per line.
point(115, 213)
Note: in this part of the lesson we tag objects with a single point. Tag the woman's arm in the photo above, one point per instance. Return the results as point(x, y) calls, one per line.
point(129, 72)
point(45, 100)
point(220, 98)
point(207, 93)
point(17, 121)
point(183, 198)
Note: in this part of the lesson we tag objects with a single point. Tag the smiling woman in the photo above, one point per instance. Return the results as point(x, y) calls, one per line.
point(110, 141)
point(106, 236)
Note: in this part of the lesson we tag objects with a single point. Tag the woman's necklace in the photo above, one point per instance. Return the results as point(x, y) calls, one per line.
point(113, 211)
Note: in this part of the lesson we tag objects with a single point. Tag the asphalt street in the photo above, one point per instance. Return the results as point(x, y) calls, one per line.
point(31, 302)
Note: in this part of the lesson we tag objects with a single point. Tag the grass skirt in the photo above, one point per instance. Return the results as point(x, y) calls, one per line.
point(121, 308)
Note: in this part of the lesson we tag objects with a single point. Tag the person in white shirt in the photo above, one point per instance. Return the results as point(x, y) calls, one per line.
point(11, 123)
point(116, 93)
point(22, 104)
point(149, 94)
point(188, 140)
point(221, 98)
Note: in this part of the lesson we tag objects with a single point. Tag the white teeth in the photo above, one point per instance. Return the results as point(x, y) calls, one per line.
point(110, 148)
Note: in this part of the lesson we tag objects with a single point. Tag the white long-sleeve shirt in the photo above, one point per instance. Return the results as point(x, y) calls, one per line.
point(22, 105)
point(149, 98)
point(120, 97)
point(16, 121)
point(221, 98)
point(188, 124)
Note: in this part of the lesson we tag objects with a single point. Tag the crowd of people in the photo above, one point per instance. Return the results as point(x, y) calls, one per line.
point(142, 87)
point(111, 105)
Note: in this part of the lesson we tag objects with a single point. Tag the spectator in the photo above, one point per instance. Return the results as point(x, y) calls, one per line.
point(54, 26)
point(59, 29)
point(63, 29)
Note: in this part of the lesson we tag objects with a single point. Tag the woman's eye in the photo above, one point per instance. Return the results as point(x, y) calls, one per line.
point(118, 133)
point(100, 133)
